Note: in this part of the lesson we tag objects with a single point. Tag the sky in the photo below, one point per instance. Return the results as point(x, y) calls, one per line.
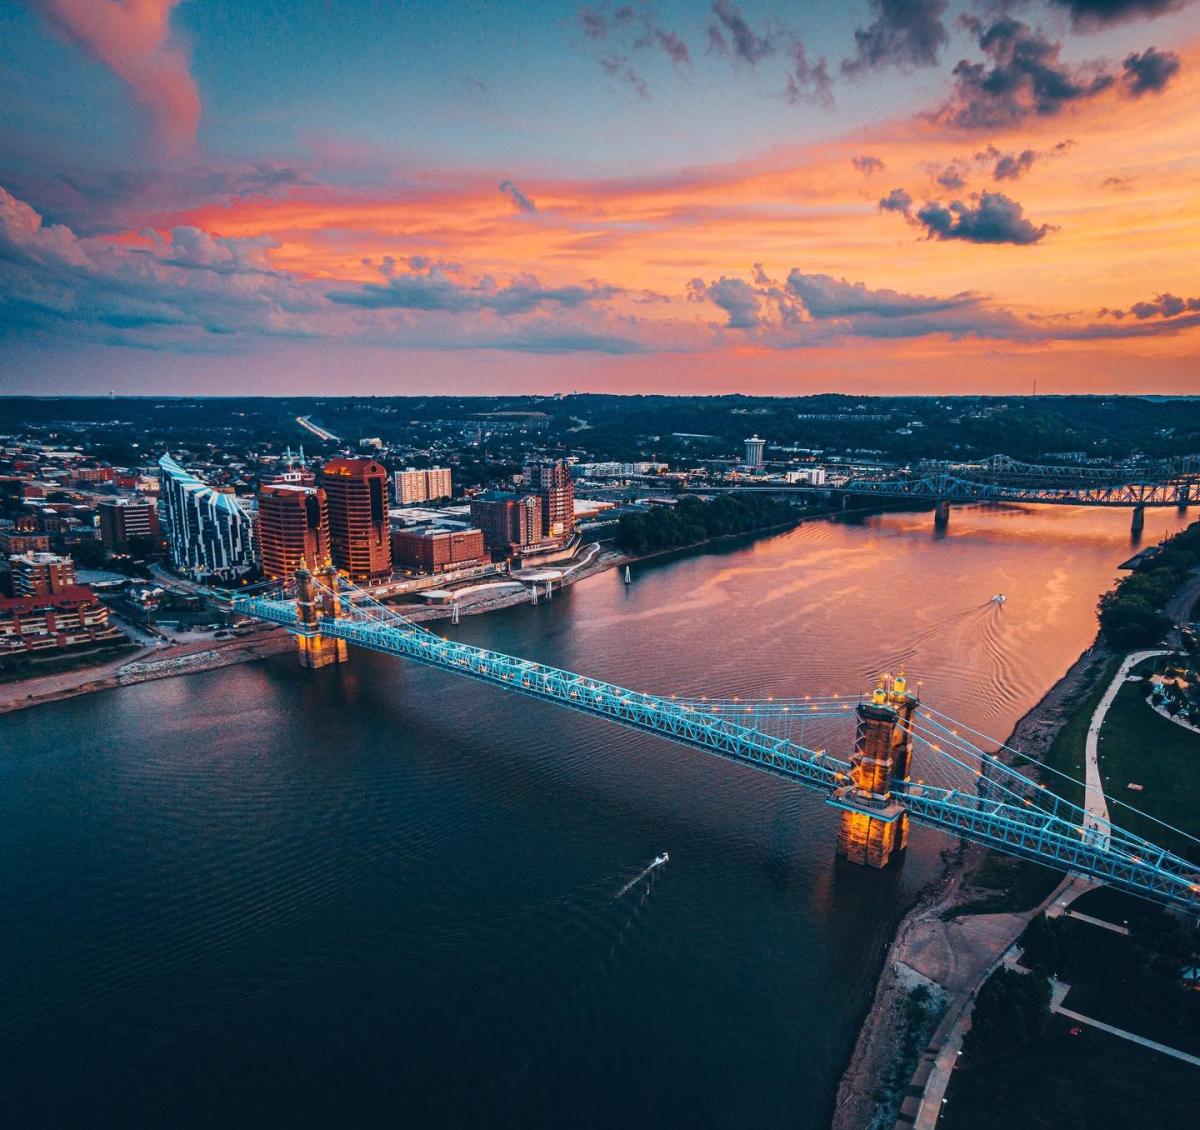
point(384, 197)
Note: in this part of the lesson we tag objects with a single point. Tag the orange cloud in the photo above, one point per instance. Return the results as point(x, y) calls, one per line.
point(133, 39)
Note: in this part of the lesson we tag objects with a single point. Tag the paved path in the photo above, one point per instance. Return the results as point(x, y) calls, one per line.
point(1094, 802)
point(1057, 911)
point(1132, 1037)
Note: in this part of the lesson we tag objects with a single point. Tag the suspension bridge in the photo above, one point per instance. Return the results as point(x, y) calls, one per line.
point(903, 761)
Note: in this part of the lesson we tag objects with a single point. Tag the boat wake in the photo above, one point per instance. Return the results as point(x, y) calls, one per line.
point(658, 861)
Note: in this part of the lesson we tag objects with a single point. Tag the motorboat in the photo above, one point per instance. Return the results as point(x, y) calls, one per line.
point(999, 598)
point(659, 860)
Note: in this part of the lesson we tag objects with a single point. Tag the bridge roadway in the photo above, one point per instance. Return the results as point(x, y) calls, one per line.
point(1008, 812)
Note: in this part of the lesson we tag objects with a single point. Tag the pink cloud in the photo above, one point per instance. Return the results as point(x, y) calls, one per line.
point(133, 39)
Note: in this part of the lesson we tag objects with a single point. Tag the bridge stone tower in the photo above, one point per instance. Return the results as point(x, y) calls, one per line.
point(874, 823)
point(314, 601)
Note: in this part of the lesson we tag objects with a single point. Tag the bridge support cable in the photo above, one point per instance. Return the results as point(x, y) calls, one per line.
point(962, 791)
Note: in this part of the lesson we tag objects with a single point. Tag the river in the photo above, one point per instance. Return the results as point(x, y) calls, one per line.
point(383, 895)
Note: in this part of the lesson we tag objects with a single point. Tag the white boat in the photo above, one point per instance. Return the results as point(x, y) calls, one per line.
point(628, 576)
point(999, 598)
point(660, 859)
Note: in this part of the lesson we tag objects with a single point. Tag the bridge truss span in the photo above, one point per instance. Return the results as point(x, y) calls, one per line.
point(939, 778)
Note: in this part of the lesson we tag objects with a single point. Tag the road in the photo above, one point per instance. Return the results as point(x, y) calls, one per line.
point(1094, 802)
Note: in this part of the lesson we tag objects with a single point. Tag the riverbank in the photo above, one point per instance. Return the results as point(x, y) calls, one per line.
point(144, 664)
point(941, 944)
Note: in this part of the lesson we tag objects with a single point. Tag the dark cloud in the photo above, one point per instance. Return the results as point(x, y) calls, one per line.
point(953, 176)
point(995, 219)
point(897, 201)
point(1024, 76)
point(746, 43)
point(674, 47)
point(905, 33)
point(1149, 72)
point(618, 66)
point(807, 81)
point(433, 290)
point(626, 32)
point(1164, 305)
point(191, 291)
point(1012, 166)
point(1089, 14)
point(867, 164)
point(823, 296)
point(737, 298)
point(519, 198)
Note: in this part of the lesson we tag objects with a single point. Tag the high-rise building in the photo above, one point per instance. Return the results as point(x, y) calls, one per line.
point(41, 574)
point(754, 451)
point(125, 518)
point(209, 532)
point(509, 522)
point(290, 469)
point(293, 528)
point(359, 537)
point(413, 485)
point(437, 550)
point(556, 489)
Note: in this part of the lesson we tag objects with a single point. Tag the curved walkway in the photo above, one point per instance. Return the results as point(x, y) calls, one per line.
point(1093, 802)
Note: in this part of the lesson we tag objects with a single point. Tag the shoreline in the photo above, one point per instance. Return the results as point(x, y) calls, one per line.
point(949, 952)
point(148, 663)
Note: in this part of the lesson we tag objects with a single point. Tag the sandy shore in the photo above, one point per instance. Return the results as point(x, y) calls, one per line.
point(948, 953)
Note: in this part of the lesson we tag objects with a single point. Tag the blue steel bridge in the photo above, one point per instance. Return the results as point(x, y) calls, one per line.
point(894, 758)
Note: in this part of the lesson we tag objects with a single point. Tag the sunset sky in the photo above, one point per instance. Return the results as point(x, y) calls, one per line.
point(306, 196)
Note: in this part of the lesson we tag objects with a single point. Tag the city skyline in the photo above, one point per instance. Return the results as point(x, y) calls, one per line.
point(657, 197)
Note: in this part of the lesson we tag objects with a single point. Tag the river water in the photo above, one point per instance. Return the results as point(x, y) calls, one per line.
point(383, 895)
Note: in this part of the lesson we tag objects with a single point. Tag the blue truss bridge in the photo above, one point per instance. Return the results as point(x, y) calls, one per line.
point(883, 759)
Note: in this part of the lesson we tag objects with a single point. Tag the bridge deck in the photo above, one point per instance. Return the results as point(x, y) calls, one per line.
point(982, 799)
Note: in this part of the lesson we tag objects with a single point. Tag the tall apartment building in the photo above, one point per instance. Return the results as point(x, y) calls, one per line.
point(414, 485)
point(437, 550)
point(125, 518)
point(359, 536)
point(755, 446)
point(509, 521)
point(41, 574)
point(556, 489)
point(293, 528)
point(209, 532)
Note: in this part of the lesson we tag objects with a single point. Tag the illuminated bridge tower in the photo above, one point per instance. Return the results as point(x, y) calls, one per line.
point(874, 823)
point(313, 601)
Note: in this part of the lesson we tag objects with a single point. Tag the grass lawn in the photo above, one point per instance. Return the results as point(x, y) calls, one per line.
point(1138, 745)
point(1012, 884)
point(1066, 753)
point(15, 670)
point(1057, 1081)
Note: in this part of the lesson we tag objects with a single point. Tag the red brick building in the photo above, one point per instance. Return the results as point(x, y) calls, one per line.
point(360, 539)
point(436, 551)
point(70, 618)
point(293, 528)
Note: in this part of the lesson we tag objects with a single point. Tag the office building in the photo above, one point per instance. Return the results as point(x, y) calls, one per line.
point(509, 522)
point(125, 518)
point(435, 550)
point(754, 451)
point(293, 528)
point(360, 540)
point(556, 490)
point(41, 574)
point(209, 532)
point(69, 618)
point(414, 485)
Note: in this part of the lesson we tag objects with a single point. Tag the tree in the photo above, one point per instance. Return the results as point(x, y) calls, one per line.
point(1010, 1008)
point(88, 554)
